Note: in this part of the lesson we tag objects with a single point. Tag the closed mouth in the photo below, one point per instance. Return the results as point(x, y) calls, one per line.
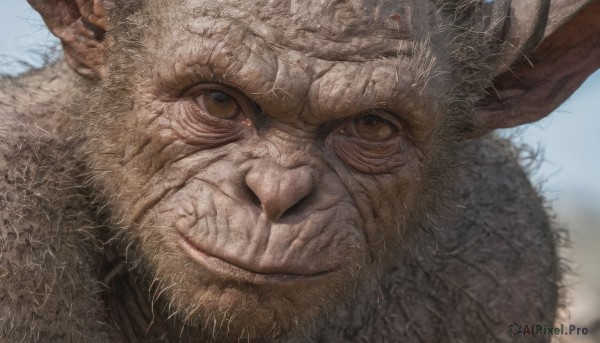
point(231, 270)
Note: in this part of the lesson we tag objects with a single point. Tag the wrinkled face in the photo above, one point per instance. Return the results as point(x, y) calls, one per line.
point(265, 156)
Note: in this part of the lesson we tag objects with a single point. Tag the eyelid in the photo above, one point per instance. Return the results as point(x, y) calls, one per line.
point(383, 114)
point(246, 104)
point(199, 88)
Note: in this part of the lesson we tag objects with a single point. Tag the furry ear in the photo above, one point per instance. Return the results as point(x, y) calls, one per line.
point(81, 27)
point(517, 26)
point(558, 59)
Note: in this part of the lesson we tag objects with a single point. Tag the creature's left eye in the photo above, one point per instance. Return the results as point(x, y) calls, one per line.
point(371, 127)
point(218, 104)
point(372, 142)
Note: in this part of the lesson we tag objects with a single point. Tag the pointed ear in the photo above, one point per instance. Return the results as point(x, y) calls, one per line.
point(81, 27)
point(565, 54)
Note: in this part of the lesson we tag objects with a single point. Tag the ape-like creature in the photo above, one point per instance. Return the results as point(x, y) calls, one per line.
point(284, 170)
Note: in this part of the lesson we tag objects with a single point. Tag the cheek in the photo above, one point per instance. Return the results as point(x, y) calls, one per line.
point(139, 165)
point(385, 202)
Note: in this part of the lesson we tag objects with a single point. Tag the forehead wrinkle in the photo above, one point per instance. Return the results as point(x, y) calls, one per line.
point(353, 30)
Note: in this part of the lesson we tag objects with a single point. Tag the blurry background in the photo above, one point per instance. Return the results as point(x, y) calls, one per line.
point(569, 140)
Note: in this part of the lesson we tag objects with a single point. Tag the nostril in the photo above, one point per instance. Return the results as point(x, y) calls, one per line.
point(252, 197)
point(296, 208)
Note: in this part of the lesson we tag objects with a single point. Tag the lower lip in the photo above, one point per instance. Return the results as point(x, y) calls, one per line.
point(232, 271)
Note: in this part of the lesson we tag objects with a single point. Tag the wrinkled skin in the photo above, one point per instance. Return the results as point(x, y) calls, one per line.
point(287, 171)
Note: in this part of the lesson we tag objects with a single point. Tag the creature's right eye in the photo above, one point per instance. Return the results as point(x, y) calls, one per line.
point(218, 104)
point(211, 115)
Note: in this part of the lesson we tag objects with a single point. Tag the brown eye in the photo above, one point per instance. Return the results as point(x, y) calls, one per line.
point(372, 128)
point(218, 104)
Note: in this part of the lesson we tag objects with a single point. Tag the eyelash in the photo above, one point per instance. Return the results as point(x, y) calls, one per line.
point(384, 115)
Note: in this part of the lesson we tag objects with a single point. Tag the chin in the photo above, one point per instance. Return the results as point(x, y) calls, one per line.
point(232, 302)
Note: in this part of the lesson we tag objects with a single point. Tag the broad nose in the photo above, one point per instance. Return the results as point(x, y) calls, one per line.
point(279, 189)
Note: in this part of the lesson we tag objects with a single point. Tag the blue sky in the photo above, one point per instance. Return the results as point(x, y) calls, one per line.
point(570, 137)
